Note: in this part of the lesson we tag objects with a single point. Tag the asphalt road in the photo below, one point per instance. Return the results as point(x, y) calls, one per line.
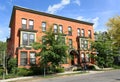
point(108, 76)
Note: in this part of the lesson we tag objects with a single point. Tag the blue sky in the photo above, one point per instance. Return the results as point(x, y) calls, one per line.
point(95, 11)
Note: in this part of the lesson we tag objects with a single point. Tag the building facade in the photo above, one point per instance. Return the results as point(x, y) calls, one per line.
point(28, 26)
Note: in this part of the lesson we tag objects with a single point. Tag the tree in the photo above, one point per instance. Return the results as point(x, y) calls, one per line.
point(12, 65)
point(104, 47)
point(52, 49)
point(2, 49)
point(114, 29)
point(3, 46)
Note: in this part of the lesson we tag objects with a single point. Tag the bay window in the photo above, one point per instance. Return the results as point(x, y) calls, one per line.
point(83, 43)
point(27, 38)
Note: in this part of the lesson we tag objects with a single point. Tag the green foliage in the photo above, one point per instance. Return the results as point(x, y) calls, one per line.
point(116, 67)
point(24, 72)
point(53, 49)
point(12, 65)
point(92, 67)
point(104, 47)
point(114, 29)
point(1, 71)
point(3, 46)
point(36, 70)
point(59, 70)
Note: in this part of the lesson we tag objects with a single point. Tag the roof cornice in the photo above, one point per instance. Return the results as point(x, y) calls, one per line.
point(46, 14)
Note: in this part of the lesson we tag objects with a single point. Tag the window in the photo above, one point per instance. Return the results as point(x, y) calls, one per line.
point(70, 43)
point(89, 34)
point(32, 58)
point(83, 58)
point(24, 23)
point(83, 43)
point(55, 28)
point(82, 33)
point(69, 31)
point(78, 31)
point(60, 28)
point(25, 39)
point(31, 24)
point(31, 38)
point(87, 57)
point(23, 58)
point(28, 38)
point(43, 26)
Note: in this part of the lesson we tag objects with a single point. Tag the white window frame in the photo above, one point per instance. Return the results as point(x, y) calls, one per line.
point(60, 28)
point(21, 38)
point(43, 26)
point(32, 56)
point(78, 31)
point(31, 24)
point(25, 60)
point(24, 23)
point(55, 28)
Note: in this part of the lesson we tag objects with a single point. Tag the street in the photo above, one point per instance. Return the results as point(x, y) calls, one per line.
point(108, 76)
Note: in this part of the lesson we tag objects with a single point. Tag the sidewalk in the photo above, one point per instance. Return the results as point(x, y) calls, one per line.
point(65, 73)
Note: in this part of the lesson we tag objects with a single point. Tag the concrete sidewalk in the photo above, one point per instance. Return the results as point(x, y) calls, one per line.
point(69, 72)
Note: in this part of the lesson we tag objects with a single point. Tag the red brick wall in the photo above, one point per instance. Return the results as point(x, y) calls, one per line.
point(38, 19)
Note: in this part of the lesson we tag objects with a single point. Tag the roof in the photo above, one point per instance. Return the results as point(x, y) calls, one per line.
point(45, 14)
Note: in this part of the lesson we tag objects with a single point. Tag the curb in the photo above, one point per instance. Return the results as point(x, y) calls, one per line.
point(65, 73)
point(14, 79)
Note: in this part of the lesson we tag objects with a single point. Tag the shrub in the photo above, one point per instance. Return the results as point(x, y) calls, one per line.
point(59, 70)
point(12, 65)
point(1, 71)
point(92, 67)
point(36, 70)
point(116, 66)
point(24, 72)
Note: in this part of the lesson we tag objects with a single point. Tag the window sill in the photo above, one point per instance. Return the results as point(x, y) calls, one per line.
point(27, 30)
point(26, 47)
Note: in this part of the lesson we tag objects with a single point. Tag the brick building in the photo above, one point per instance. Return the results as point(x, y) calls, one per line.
point(28, 26)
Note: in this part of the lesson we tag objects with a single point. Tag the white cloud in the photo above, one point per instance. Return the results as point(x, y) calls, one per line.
point(77, 2)
point(93, 20)
point(54, 8)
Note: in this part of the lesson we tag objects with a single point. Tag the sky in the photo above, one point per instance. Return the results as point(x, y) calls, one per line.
point(94, 11)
